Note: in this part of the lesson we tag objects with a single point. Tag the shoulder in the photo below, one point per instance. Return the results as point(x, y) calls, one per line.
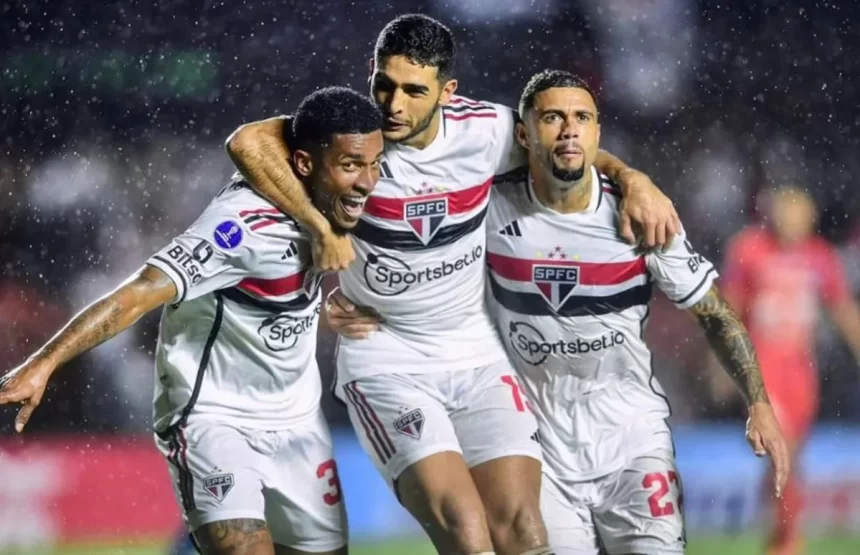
point(511, 185)
point(609, 193)
point(238, 215)
point(822, 247)
point(466, 112)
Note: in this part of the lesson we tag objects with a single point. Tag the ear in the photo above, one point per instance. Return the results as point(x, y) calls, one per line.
point(448, 89)
point(303, 162)
point(522, 135)
point(371, 64)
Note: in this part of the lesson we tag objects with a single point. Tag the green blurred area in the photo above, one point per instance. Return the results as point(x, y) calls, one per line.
point(166, 73)
point(744, 545)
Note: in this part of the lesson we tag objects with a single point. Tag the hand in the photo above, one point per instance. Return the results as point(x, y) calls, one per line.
point(653, 212)
point(26, 385)
point(332, 252)
point(355, 322)
point(765, 437)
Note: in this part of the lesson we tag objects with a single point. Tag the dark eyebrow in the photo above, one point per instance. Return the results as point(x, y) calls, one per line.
point(555, 111)
point(561, 113)
point(411, 87)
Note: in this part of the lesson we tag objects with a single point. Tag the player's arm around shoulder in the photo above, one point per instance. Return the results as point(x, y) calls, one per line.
point(260, 152)
point(648, 216)
point(143, 292)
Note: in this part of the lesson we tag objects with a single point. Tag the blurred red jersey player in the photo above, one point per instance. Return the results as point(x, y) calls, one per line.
point(778, 277)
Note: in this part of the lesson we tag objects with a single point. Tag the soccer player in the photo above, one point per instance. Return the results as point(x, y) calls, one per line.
point(432, 396)
point(777, 278)
point(571, 301)
point(237, 412)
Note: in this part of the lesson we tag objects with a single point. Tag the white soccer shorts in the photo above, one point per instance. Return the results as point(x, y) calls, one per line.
point(403, 418)
point(638, 509)
point(287, 478)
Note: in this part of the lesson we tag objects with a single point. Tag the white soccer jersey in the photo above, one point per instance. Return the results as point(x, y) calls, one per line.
point(238, 343)
point(571, 298)
point(420, 249)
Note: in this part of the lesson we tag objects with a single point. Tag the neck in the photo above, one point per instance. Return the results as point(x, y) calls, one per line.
point(422, 140)
point(565, 197)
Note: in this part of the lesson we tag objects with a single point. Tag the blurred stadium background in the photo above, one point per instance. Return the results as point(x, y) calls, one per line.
point(113, 120)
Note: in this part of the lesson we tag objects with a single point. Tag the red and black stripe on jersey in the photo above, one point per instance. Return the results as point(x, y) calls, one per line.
point(461, 108)
point(459, 202)
point(259, 218)
point(262, 293)
point(534, 304)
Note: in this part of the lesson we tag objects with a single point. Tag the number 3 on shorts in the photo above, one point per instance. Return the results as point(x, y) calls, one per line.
point(662, 480)
point(328, 470)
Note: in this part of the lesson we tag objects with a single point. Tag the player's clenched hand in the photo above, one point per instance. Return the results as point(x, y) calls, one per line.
point(765, 436)
point(646, 207)
point(26, 385)
point(332, 252)
point(356, 322)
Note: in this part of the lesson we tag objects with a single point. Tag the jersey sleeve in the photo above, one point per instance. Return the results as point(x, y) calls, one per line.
point(507, 152)
point(681, 273)
point(212, 254)
point(833, 284)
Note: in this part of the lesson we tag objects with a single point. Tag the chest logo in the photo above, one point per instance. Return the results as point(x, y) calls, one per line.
point(425, 217)
point(555, 282)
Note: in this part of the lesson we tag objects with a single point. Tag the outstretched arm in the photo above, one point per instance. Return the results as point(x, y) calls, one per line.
point(643, 204)
point(846, 317)
point(261, 155)
point(730, 341)
point(145, 291)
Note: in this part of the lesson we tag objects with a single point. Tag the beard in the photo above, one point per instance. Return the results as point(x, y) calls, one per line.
point(568, 175)
point(421, 126)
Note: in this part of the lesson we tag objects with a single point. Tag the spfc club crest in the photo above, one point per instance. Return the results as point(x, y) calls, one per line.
point(555, 282)
point(218, 486)
point(425, 217)
point(410, 424)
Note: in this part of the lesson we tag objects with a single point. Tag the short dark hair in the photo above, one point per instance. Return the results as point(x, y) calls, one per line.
point(421, 39)
point(550, 79)
point(331, 111)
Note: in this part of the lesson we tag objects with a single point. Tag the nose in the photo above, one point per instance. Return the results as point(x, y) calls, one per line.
point(569, 130)
point(366, 180)
point(396, 102)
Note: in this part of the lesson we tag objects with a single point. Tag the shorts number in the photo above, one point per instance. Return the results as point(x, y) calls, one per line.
point(519, 396)
point(662, 481)
point(328, 469)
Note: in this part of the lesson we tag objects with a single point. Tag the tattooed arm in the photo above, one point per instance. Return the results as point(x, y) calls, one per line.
point(239, 535)
point(730, 341)
point(145, 291)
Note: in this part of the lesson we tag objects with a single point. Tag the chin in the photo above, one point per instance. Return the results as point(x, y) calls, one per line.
point(568, 174)
point(342, 227)
point(397, 136)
